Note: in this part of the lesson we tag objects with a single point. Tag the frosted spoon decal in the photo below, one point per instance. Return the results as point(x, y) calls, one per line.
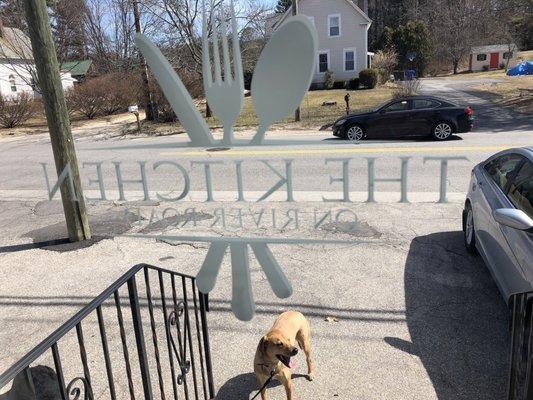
point(283, 73)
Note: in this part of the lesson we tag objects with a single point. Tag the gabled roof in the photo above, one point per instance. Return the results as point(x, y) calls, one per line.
point(493, 48)
point(14, 45)
point(77, 68)
point(350, 2)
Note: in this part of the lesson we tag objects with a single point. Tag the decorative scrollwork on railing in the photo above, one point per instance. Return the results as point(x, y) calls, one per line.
point(181, 353)
point(74, 392)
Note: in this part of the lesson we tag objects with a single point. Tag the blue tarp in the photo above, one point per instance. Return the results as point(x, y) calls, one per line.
point(524, 68)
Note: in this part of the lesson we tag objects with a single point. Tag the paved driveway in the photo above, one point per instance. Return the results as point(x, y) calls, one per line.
point(490, 117)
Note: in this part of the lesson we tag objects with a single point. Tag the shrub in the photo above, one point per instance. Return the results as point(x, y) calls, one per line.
point(369, 78)
point(353, 84)
point(106, 94)
point(329, 80)
point(407, 88)
point(194, 85)
point(385, 60)
point(502, 65)
point(88, 98)
point(70, 99)
point(485, 68)
point(383, 77)
point(14, 110)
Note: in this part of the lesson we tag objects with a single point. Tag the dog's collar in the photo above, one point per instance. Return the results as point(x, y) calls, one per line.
point(270, 367)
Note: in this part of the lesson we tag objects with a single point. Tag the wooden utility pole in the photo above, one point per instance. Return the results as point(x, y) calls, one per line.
point(297, 116)
point(147, 93)
point(55, 107)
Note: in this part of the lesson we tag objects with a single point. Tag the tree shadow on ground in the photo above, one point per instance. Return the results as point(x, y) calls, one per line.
point(498, 116)
point(457, 320)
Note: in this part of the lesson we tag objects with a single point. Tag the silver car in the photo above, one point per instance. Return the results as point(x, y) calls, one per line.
point(498, 218)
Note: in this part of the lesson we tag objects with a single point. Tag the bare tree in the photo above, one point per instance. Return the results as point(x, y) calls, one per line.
point(457, 25)
point(147, 93)
point(180, 22)
point(67, 19)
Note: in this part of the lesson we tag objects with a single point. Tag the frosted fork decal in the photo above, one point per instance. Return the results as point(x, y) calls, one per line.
point(281, 78)
point(242, 303)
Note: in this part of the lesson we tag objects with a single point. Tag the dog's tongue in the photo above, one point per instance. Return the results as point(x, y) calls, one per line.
point(292, 364)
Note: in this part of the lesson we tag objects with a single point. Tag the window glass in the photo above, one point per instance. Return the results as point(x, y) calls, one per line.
point(334, 26)
point(398, 106)
point(12, 83)
point(502, 168)
point(521, 190)
point(481, 57)
point(322, 62)
point(421, 103)
point(522, 197)
point(349, 60)
point(507, 54)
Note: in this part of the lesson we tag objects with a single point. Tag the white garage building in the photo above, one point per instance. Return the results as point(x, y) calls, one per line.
point(17, 66)
point(492, 57)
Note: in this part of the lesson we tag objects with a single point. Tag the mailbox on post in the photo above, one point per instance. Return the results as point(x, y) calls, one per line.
point(135, 110)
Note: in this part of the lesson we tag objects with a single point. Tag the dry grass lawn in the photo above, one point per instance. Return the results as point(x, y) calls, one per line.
point(493, 74)
point(313, 113)
point(507, 92)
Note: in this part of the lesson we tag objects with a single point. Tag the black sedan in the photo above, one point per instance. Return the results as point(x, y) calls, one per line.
point(410, 116)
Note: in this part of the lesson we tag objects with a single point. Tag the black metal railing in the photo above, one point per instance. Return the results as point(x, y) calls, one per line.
point(521, 361)
point(118, 359)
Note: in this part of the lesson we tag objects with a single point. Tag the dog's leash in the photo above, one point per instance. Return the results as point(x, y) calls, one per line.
point(272, 374)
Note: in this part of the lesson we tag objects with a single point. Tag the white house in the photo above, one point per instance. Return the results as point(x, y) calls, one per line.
point(17, 66)
point(492, 57)
point(342, 27)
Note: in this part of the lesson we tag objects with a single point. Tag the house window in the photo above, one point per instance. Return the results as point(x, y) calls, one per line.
point(12, 83)
point(482, 57)
point(507, 55)
point(323, 62)
point(349, 60)
point(334, 25)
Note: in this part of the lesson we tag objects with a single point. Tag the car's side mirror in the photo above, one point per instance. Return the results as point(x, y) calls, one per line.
point(513, 218)
point(382, 111)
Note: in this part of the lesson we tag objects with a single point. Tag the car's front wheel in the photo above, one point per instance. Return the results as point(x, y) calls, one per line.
point(442, 131)
point(354, 133)
point(468, 229)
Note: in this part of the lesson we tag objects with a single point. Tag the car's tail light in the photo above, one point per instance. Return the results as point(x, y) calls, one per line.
point(469, 111)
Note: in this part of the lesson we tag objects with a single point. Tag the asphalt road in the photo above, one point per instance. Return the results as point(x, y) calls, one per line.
point(417, 317)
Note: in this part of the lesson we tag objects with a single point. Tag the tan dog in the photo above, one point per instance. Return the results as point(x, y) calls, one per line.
point(276, 348)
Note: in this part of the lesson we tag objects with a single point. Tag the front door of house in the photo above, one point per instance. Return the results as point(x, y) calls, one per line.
point(494, 60)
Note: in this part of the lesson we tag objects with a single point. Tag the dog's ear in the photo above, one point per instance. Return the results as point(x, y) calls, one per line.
point(263, 344)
